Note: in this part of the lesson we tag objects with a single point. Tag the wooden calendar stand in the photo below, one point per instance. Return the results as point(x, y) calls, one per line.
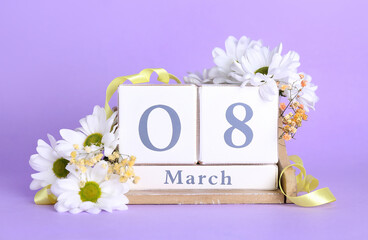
point(288, 182)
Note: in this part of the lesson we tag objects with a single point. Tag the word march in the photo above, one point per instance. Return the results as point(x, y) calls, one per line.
point(199, 179)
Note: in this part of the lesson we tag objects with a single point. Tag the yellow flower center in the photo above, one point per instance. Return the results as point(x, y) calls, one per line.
point(59, 168)
point(262, 70)
point(90, 192)
point(93, 139)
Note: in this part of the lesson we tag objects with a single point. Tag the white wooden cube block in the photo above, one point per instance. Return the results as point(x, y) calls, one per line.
point(261, 177)
point(158, 123)
point(237, 126)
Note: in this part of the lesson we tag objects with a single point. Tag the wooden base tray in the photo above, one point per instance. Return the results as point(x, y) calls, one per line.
point(288, 182)
point(205, 196)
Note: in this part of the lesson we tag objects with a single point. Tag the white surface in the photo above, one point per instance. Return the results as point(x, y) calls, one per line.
point(134, 100)
point(214, 101)
point(261, 177)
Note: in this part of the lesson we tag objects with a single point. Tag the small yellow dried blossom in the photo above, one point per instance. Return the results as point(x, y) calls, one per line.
point(87, 149)
point(123, 179)
point(76, 146)
point(293, 120)
point(116, 164)
point(82, 183)
point(136, 179)
point(73, 154)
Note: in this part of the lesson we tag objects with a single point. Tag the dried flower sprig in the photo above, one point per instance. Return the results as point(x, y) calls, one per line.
point(296, 113)
point(117, 163)
point(122, 165)
point(293, 120)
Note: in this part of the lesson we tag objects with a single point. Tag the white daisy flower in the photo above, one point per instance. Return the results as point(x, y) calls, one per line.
point(255, 60)
point(91, 192)
point(49, 163)
point(96, 132)
point(234, 51)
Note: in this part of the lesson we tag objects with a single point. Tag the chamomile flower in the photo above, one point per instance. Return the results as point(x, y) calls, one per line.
point(96, 132)
point(49, 163)
point(90, 191)
point(255, 60)
point(234, 51)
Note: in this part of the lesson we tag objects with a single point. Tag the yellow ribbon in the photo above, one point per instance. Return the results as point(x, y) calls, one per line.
point(307, 183)
point(45, 197)
point(142, 77)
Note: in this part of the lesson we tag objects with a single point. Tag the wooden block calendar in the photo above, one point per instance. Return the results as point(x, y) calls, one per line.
point(212, 144)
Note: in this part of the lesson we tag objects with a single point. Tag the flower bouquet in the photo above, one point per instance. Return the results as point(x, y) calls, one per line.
point(85, 170)
point(246, 62)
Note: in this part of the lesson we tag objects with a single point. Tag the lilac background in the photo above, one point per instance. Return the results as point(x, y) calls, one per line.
point(57, 57)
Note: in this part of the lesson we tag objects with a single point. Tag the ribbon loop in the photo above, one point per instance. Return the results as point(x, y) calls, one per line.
point(307, 183)
point(142, 77)
point(45, 197)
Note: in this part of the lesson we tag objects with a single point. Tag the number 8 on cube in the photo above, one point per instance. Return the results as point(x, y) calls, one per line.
point(237, 126)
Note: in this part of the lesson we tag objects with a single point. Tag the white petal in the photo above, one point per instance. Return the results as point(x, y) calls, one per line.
point(218, 52)
point(43, 176)
point(87, 205)
point(65, 148)
point(85, 129)
point(230, 45)
point(39, 164)
point(35, 184)
point(98, 173)
point(224, 62)
point(73, 136)
point(60, 208)
point(46, 151)
point(69, 199)
point(93, 124)
point(68, 184)
point(94, 210)
point(75, 210)
point(52, 140)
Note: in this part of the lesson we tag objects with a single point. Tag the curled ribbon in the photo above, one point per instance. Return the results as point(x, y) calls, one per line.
point(142, 77)
point(45, 197)
point(307, 183)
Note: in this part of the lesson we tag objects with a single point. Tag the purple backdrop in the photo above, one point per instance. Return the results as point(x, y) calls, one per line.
point(57, 57)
